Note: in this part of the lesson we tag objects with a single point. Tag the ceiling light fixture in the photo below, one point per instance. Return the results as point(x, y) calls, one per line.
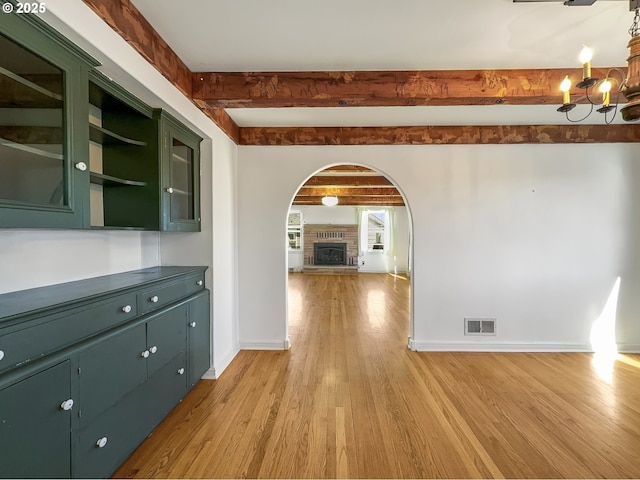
point(330, 201)
point(628, 84)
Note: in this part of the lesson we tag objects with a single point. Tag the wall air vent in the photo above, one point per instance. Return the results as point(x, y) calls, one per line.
point(479, 326)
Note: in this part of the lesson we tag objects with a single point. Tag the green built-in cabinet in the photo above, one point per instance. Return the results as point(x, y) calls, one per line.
point(43, 131)
point(79, 151)
point(89, 368)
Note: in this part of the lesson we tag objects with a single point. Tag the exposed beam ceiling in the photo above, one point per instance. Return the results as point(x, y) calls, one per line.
point(353, 185)
point(215, 92)
point(220, 94)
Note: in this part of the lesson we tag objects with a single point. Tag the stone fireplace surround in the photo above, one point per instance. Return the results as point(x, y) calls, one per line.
point(328, 233)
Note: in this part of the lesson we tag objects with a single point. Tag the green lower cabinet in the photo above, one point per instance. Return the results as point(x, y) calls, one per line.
point(35, 428)
point(110, 438)
point(199, 337)
point(129, 381)
point(99, 374)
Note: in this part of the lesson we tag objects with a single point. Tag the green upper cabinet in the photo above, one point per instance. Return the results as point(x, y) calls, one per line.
point(79, 151)
point(150, 182)
point(180, 175)
point(43, 127)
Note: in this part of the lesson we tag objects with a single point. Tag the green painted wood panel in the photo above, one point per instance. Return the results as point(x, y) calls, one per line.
point(127, 423)
point(199, 337)
point(166, 336)
point(109, 370)
point(39, 338)
point(35, 432)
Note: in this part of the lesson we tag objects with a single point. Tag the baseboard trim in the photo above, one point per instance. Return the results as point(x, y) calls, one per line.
point(268, 345)
point(628, 348)
point(215, 372)
point(497, 347)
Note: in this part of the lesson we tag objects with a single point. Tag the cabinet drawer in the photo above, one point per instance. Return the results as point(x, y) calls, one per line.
point(164, 294)
point(64, 329)
point(127, 423)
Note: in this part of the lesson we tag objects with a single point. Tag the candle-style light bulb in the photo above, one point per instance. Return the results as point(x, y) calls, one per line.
point(565, 86)
point(605, 88)
point(586, 54)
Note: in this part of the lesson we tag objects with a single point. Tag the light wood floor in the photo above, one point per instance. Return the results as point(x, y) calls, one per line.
point(349, 400)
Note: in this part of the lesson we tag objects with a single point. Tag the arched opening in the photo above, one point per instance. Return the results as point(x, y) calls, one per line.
point(361, 247)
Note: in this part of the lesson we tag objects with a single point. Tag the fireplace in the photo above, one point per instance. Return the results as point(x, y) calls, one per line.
point(330, 253)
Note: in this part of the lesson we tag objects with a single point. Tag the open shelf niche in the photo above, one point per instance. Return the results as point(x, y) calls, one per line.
point(120, 171)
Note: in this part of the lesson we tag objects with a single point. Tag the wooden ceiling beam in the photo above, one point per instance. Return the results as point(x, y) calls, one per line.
point(353, 201)
point(386, 88)
point(347, 191)
point(346, 181)
point(441, 135)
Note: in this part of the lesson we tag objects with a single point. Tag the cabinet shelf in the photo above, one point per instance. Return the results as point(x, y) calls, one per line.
point(106, 137)
point(35, 87)
point(26, 148)
point(109, 181)
point(178, 158)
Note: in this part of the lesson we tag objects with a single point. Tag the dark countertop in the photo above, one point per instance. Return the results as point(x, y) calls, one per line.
point(33, 300)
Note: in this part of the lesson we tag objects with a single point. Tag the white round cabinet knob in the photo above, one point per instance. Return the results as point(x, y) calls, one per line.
point(67, 405)
point(169, 190)
point(145, 354)
point(81, 166)
point(193, 324)
point(154, 299)
point(153, 349)
point(199, 282)
point(126, 308)
point(101, 442)
point(1, 354)
point(181, 371)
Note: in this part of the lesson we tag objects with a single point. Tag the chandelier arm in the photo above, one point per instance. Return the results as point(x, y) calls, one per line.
point(583, 118)
point(623, 77)
point(615, 111)
point(586, 92)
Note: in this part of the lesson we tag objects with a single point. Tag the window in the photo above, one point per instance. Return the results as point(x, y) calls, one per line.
point(294, 231)
point(375, 230)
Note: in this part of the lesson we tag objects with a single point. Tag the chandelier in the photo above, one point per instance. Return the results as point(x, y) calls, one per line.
point(628, 85)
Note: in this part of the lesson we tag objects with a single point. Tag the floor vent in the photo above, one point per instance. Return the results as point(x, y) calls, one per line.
point(479, 326)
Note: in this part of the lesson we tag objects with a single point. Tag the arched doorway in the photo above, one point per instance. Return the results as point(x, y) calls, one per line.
point(368, 231)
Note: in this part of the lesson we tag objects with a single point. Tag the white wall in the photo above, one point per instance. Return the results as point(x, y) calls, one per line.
point(34, 258)
point(534, 235)
point(61, 256)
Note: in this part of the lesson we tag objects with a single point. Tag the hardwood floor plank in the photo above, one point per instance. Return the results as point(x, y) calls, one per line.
point(349, 400)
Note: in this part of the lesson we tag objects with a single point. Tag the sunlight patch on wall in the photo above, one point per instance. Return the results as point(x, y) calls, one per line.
point(603, 337)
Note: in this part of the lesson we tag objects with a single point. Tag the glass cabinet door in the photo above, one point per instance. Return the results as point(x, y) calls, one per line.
point(182, 206)
point(32, 129)
point(180, 176)
point(43, 127)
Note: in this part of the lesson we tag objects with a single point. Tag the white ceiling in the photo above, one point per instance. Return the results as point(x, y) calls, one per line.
point(299, 35)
